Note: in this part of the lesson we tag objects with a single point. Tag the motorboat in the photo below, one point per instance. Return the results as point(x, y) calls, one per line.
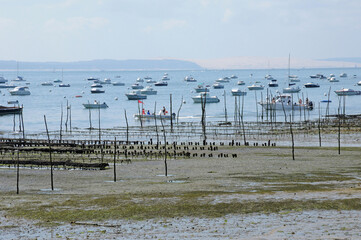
point(223, 80)
point(95, 105)
point(165, 77)
point(13, 102)
point(47, 84)
point(151, 81)
point(105, 81)
point(148, 90)
point(64, 85)
point(19, 79)
point(118, 84)
point(312, 85)
point(313, 76)
point(96, 85)
point(273, 83)
point(160, 83)
point(359, 83)
point(285, 102)
point(10, 110)
point(57, 81)
point(21, 91)
point(135, 95)
point(140, 80)
point(331, 76)
point(218, 86)
point(205, 98)
point(291, 89)
point(137, 86)
point(255, 87)
point(226, 78)
point(343, 75)
point(240, 82)
point(97, 90)
point(333, 79)
point(92, 79)
point(234, 77)
point(238, 92)
point(147, 78)
point(3, 80)
point(347, 92)
point(190, 79)
point(7, 86)
point(269, 77)
point(152, 116)
point(201, 88)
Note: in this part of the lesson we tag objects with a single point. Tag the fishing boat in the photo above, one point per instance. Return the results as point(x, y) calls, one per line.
point(95, 105)
point(97, 90)
point(135, 95)
point(284, 102)
point(255, 87)
point(20, 91)
point(238, 92)
point(152, 116)
point(205, 98)
point(10, 110)
point(312, 85)
point(136, 86)
point(160, 83)
point(347, 92)
point(148, 90)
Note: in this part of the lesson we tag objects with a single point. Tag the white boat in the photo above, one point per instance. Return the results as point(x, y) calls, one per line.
point(118, 84)
point(331, 76)
point(21, 91)
point(92, 79)
point(135, 95)
point(160, 83)
point(284, 102)
point(148, 90)
point(190, 79)
point(153, 116)
point(343, 75)
point(137, 86)
point(273, 83)
point(238, 92)
point(151, 81)
point(19, 79)
point(223, 80)
point(294, 78)
point(47, 84)
point(97, 90)
point(57, 81)
point(291, 90)
point(147, 78)
point(311, 85)
point(96, 104)
point(234, 77)
point(333, 79)
point(106, 81)
point(240, 82)
point(7, 86)
point(218, 86)
point(201, 88)
point(3, 80)
point(96, 85)
point(268, 77)
point(347, 92)
point(255, 87)
point(64, 85)
point(359, 83)
point(165, 78)
point(205, 98)
point(140, 80)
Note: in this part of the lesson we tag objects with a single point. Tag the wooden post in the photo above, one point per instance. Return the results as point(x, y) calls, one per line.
point(126, 121)
point(22, 121)
point(90, 120)
point(51, 160)
point(155, 123)
point(171, 112)
point(17, 172)
point(61, 122)
point(165, 148)
point(99, 124)
point(319, 123)
point(225, 107)
point(115, 156)
point(179, 109)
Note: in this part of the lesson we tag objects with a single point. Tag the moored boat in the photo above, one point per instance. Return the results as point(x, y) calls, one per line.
point(284, 102)
point(255, 87)
point(95, 105)
point(20, 91)
point(10, 110)
point(135, 95)
point(205, 98)
point(97, 90)
point(347, 92)
point(161, 83)
point(238, 92)
point(312, 85)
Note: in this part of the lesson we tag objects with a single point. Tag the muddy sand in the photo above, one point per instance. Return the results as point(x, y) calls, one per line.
point(261, 194)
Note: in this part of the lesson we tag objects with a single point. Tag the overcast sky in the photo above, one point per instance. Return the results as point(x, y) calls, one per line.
point(70, 30)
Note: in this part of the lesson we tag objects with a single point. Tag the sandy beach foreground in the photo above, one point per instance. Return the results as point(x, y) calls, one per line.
point(261, 194)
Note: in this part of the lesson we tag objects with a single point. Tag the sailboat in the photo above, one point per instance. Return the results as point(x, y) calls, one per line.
point(290, 88)
point(18, 78)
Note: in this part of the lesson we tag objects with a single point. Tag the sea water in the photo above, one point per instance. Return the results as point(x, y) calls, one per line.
point(48, 100)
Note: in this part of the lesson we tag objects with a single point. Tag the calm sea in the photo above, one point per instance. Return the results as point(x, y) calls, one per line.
point(47, 100)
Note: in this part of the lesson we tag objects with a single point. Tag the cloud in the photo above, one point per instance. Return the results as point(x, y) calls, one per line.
point(76, 23)
point(173, 23)
point(227, 15)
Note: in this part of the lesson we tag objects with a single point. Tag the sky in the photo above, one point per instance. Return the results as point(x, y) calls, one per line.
point(72, 30)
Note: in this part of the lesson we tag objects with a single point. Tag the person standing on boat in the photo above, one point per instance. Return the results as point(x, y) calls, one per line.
point(143, 111)
point(164, 111)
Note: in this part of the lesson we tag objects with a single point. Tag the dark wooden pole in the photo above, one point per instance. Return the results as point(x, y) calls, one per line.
point(51, 160)
point(115, 156)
